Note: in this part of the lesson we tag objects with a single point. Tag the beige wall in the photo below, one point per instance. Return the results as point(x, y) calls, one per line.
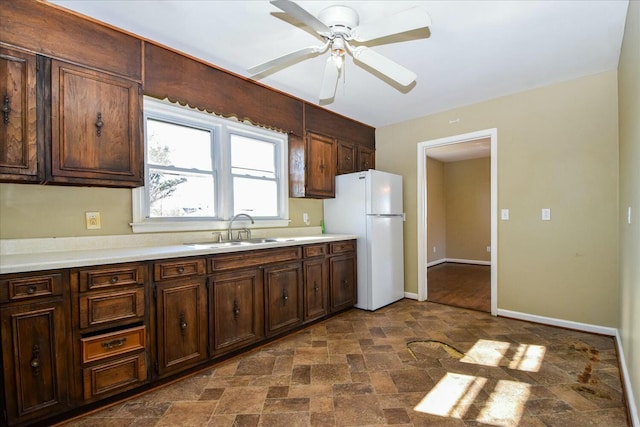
point(629, 111)
point(30, 211)
point(558, 149)
point(468, 209)
point(436, 218)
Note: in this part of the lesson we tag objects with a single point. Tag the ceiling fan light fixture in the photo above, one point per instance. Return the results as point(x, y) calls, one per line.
point(338, 47)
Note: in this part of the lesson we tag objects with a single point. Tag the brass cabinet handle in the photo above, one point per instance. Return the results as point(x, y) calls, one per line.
point(32, 289)
point(119, 342)
point(315, 288)
point(285, 298)
point(99, 124)
point(35, 360)
point(183, 323)
point(6, 109)
point(181, 269)
point(236, 310)
point(114, 279)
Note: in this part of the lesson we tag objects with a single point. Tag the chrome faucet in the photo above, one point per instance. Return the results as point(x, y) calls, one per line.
point(230, 230)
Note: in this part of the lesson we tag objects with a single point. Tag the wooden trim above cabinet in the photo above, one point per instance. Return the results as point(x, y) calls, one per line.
point(50, 30)
point(225, 94)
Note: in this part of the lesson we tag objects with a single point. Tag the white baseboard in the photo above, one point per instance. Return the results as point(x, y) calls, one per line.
point(411, 295)
point(631, 402)
point(457, 260)
point(585, 327)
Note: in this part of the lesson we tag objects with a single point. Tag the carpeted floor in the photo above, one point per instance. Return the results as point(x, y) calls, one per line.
point(408, 364)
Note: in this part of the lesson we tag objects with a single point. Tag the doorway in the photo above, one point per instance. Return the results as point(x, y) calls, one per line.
point(457, 148)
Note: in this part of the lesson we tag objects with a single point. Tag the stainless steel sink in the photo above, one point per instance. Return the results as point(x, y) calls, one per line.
point(239, 242)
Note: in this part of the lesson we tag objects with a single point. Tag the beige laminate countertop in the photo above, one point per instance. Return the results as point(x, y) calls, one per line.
point(36, 261)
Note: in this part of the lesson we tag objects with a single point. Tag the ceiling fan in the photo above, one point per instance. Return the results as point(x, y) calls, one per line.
point(339, 25)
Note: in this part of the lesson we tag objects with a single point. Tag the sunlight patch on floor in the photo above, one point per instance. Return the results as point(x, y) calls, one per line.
point(527, 357)
point(506, 404)
point(452, 396)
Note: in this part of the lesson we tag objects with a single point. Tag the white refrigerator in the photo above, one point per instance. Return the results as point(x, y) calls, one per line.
point(369, 205)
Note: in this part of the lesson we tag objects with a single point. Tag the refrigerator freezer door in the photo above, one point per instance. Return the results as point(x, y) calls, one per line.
point(384, 191)
point(385, 262)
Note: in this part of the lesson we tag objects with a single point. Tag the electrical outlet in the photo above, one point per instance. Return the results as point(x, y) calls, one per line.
point(546, 214)
point(305, 218)
point(488, 248)
point(434, 249)
point(93, 220)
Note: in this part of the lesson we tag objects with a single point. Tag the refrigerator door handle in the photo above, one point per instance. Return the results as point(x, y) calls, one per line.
point(402, 215)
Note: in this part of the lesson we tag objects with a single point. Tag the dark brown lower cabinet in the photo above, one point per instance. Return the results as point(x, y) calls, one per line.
point(316, 290)
point(342, 270)
point(36, 362)
point(283, 294)
point(182, 324)
point(237, 309)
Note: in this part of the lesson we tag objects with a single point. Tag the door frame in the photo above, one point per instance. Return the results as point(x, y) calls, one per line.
point(492, 134)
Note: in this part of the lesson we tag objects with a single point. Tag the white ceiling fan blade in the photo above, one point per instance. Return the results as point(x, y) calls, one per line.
point(407, 20)
point(330, 79)
point(384, 65)
point(302, 15)
point(285, 59)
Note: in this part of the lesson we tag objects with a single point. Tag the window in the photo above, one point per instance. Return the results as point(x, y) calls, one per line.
point(201, 170)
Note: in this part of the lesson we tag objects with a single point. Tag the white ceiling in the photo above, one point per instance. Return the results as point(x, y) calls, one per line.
point(473, 51)
point(456, 152)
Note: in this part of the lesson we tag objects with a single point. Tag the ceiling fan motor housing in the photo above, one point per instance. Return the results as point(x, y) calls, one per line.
point(341, 19)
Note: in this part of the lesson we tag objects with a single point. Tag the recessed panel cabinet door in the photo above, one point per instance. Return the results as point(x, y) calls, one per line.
point(95, 119)
point(321, 166)
point(35, 361)
point(316, 289)
point(342, 270)
point(238, 309)
point(283, 287)
point(182, 326)
point(18, 148)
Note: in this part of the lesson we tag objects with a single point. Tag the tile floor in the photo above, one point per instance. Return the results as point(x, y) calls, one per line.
point(408, 364)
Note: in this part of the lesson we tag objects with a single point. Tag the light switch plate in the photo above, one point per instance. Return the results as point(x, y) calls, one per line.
point(546, 214)
point(504, 214)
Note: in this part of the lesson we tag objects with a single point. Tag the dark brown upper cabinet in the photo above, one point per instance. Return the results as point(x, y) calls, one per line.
point(96, 136)
point(18, 140)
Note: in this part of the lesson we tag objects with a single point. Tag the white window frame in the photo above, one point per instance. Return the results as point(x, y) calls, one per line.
point(221, 129)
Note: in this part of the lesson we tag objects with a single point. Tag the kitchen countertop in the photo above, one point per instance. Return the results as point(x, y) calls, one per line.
point(49, 260)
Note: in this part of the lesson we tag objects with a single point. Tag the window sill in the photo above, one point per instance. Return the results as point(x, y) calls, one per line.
point(168, 226)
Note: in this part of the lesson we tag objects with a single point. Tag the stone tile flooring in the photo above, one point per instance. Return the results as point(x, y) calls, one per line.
point(408, 364)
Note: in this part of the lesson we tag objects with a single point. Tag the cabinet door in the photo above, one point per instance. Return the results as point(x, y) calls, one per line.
point(18, 148)
point(283, 293)
point(366, 158)
point(342, 270)
point(238, 309)
point(182, 324)
point(95, 119)
point(321, 166)
point(346, 157)
point(315, 289)
point(36, 360)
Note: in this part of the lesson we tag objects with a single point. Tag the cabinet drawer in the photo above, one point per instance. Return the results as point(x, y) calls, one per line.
point(113, 377)
point(314, 250)
point(114, 276)
point(340, 247)
point(113, 344)
point(178, 269)
point(103, 308)
point(254, 259)
point(21, 288)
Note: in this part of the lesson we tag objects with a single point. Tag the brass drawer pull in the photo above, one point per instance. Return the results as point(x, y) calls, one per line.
point(236, 310)
point(6, 109)
point(35, 360)
point(99, 124)
point(32, 289)
point(183, 323)
point(114, 279)
point(181, 269)
point(119, 342)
